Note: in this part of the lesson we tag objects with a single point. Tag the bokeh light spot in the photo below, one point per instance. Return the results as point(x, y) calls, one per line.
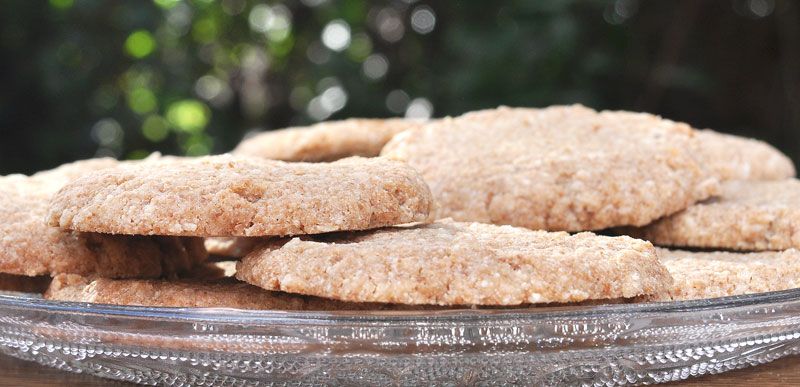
point(761, 8)
point(214, 90)
point(390, 25)
point(278, 35)
point(260, 18)
point(281, 48)
point(360, 47)
point(336, 35)
point(140, 44)
point(188, 115)
point(155, 128)
point(142, 100)
point(375, 66)
point(208, 87)
point(179, 20)
point(281, 25)
point(332, 98)
point(397, 101)
point(275, 22)
point(107, 132)
point(419, 108)
point(423, 20)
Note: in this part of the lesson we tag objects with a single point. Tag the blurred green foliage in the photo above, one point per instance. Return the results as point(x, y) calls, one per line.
point(91, 77)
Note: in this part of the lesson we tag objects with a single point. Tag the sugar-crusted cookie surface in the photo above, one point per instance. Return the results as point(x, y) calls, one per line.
point(326, 141)
point(28, 246)
point(238, 196)
point(452, 263)
point(747, 215)
point(739, 158)
point(701, 275)
point(226, 293)
point(560, 168)
point(233, 247)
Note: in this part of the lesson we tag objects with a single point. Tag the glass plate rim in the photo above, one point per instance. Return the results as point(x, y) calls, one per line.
point(537, 313)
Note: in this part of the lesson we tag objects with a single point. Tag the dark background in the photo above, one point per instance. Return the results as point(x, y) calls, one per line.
point(80, 78)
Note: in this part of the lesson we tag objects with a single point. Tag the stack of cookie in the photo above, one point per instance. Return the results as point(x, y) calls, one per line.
point(571, 168)
point(492, 208)
point(31, 251)
point(756, 224)
point(339, 246)
point(229, 196)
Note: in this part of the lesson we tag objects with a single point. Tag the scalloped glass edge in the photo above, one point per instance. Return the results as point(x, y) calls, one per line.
point(614, 344)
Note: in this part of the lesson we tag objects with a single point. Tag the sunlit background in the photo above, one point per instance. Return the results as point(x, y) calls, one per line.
point(83, 78)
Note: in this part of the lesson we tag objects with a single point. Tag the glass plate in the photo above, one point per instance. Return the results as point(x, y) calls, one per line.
point(588, 345)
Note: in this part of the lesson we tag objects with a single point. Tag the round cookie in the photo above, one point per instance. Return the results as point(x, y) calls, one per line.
point(721, 274)
point(28, 246)
point(560, 168)
point(739, 158)
point(747, 215)
point(453, 263)
point(193, 294)
point(232, 247)
point(326, 141)
point(238, 196)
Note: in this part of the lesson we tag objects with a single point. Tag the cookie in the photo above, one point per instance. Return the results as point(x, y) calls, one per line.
point(720, 274)
point(232, 247)
point(564, 168)
point(237, 196)
point(747, 215)
point(454, 263)
point(739, 158)
point(23, 284)
point(192, 294)
point(326, 141)
point(28, 246)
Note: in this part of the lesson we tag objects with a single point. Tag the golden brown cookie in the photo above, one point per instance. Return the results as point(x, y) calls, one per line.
point(232, 247)
point(24, 284)
point(28, 246)
point(326, 141)
point(747, 215)
point(193, 294)
point(721, 274)
point(739, 158)
point(237, 196)
point(453, 263)
point(560, 168)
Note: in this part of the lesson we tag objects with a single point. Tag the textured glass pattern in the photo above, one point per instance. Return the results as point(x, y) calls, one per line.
point(588, 345)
